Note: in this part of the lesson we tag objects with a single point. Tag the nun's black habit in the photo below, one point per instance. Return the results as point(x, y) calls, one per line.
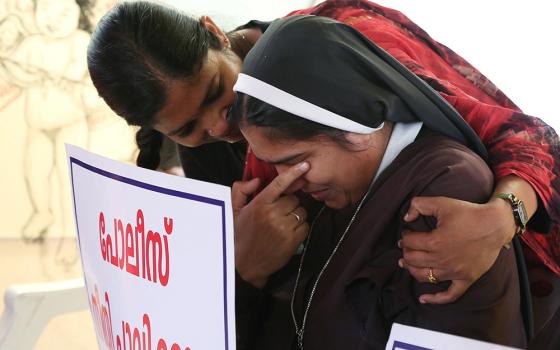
point(333, 67)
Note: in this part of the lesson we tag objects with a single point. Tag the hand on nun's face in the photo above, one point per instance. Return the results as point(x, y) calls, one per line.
point(269, 228)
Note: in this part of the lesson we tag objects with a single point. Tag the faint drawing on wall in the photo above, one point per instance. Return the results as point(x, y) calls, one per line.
point(47, 100)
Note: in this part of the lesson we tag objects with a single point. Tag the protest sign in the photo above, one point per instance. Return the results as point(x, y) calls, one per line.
point(413, 338)
point(157, 255)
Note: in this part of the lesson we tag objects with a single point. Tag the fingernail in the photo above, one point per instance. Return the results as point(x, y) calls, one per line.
point(303, 166)
point(406, 217)
point(401, 264)
point(399, 244)
point(422, 301)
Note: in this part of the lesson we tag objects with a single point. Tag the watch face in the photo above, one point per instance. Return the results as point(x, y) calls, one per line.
point(523, 217)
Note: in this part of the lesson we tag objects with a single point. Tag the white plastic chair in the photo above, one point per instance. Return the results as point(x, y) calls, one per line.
point(29, 307)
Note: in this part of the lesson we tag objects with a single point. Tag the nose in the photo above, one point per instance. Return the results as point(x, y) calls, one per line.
point(295, 186)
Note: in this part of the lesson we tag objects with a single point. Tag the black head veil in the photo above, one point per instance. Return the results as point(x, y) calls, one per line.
point(325, 71)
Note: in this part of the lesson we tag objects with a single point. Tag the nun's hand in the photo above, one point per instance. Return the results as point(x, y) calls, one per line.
point(269, 228)
point(463, 246)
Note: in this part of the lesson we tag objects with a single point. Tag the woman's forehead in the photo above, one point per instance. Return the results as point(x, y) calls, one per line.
point(184, 96)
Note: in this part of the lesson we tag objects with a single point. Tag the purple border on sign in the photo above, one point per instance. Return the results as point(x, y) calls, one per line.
point(406, 346)
point(170, 192)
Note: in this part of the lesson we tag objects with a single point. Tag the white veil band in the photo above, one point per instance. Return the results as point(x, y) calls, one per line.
point(297, 106)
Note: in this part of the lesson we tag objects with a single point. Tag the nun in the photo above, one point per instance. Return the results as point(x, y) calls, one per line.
point(316, 93)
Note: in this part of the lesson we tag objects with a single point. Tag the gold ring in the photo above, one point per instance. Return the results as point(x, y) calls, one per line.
point(298, 218)
point(433, 279)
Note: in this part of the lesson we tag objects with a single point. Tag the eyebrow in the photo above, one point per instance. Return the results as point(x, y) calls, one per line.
point(281, 160)
point(212, 95)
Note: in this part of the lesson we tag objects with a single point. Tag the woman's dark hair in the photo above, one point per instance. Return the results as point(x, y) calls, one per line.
point(248, 110)
point(136, 50)
point(149, 143)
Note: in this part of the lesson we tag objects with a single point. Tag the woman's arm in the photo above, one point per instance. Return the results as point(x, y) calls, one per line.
point(523, 191)
point(481, 230)
point(490, 309)
point(523, 155)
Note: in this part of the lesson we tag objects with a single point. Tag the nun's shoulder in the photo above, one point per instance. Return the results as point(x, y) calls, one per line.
point(440, 157)
point(436, 148)
point(436, 165)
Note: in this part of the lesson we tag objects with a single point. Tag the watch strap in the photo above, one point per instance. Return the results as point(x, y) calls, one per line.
point(518, 210)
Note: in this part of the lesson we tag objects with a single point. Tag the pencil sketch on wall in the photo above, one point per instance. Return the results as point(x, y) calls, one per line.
point(47, 100)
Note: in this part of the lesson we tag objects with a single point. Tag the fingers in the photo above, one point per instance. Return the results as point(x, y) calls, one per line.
point(287, 204)
point(454, 292)
point(301, 232)
point(419, 258)
point(300, 215)
point(281, 183)
point(421, 273)
point(240, 192)
point(423, 241)
point(427, 206)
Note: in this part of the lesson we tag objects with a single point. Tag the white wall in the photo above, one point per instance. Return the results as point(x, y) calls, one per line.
point(516, 44)
point(230, 14)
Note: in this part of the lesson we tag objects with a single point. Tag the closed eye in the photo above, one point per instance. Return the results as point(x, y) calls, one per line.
point(288, 160)
point(185, 130)
point(215, 95)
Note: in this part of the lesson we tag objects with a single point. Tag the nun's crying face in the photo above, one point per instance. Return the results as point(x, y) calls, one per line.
point(338, 175)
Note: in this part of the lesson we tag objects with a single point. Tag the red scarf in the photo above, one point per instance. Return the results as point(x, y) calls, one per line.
point(517, 144)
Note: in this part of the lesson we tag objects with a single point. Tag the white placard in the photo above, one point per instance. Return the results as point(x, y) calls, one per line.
point(157, 255)
point(412, 338)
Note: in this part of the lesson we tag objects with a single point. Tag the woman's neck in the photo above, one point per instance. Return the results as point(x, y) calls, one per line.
point(243, 40)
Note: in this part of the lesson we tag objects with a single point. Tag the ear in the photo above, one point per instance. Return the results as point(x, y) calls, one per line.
point(377, 139)
point(358, 140)
point(212, 27)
